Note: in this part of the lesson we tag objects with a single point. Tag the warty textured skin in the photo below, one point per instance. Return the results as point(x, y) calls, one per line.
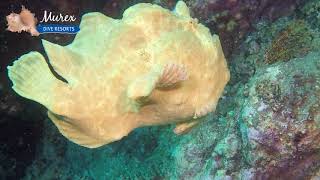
point(114, 70)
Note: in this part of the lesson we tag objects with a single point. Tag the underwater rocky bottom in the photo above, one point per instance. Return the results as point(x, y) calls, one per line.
point(266, 125)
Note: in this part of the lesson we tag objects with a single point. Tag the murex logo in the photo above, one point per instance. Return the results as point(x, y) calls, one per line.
point(50, 17)
point(25, 21)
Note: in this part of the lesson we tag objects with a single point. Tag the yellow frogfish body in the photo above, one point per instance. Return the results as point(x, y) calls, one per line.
point(152, 67)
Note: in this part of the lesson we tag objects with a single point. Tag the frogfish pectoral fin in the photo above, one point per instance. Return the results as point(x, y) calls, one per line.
point(73, 133)
point(172, 74)
point(159, 77)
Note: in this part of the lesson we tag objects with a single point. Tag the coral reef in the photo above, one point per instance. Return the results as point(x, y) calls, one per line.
point(311, 12)
point(233, 19)
point(266, 124)
point(293, 41)
point(282, 117)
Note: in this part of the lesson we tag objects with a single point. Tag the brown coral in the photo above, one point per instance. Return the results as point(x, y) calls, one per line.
point(293, 41)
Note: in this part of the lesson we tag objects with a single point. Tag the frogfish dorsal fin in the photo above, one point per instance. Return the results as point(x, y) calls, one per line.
point(73, 133)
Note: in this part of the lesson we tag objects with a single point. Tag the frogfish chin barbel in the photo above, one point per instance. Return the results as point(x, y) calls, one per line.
point(152, 67)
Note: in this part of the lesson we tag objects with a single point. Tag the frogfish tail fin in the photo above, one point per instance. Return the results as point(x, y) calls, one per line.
point(32, 79)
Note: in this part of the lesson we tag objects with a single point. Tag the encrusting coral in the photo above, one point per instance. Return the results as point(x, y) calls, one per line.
point(293, 41)
point(151, 67)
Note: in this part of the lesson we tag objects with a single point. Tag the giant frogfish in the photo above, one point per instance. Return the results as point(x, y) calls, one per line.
point(152, 67)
